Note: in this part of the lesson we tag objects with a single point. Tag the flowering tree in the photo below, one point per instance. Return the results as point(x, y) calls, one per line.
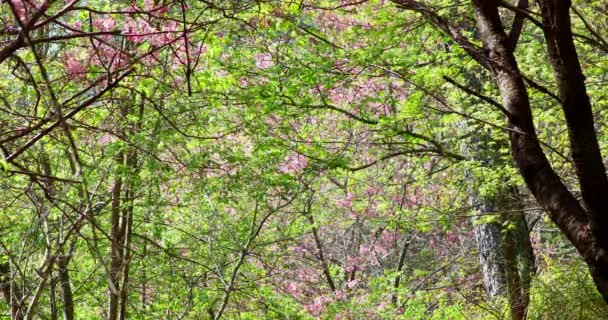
point(277, 159)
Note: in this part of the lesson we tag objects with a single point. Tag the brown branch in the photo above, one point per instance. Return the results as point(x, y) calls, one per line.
point(452, 31)
point(69, 115)
point(518, 23)
point(478, 95)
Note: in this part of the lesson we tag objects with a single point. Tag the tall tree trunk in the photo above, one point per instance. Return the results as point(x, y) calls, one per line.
point(584, 224)
point(116, 249)
point(586, 155)
point(66, 288)
point(582, 227)
point(488, 238)
point(128, 223)
point(400, 265)
point(519, 262)
point(122, 216)
point(506, 257)
point(501, 250)
point(52, 298)
point(10, 291)
point(319, 245)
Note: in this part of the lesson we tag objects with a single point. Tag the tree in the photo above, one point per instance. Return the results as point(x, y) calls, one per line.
point(583, 222)
point(502, 234)
point(276, 159)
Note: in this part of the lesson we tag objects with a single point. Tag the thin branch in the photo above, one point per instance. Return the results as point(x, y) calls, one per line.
point(518, 23)
point(478, 95)
point(69, 115)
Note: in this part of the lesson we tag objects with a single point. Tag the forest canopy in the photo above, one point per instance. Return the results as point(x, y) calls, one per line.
point(309, 159)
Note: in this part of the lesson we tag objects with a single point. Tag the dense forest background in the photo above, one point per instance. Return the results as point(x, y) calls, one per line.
point(269, 159)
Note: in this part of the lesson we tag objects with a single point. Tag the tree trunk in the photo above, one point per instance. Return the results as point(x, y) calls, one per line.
point(586, 155)
point(116, 249)
point(66, 288)
point(319, 245)
point(10, 291)
point(518, 262)
point(122, 217)
point(399, 269)
point(502, 250)
point(52, 298)
point(506, 257)
point(582, 227)
point(584, 224)
point(487, 236)
point(128, 222)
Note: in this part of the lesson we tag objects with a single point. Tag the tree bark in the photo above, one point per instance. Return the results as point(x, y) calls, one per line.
point(116, 249)
point(546, 186)
point(505, 254)
point(487, 236)
point(586, 155)
point(518, 262)
point(319, 245)
point(66, 288)
point(399, 269)
point(10, 291)
point(52, 298)
point(584, 226)
point(128, 222)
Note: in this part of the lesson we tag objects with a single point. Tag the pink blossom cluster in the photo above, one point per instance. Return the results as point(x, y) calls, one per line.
point(150, 7)
point(25, 8)
point(369, 253)
point(295, 289)
point(409, 200)
point(333, 21)
point(105, 23)
point(263, 61)
point(140, 30)
point(374, 190)
point(294, 163)
point(107, 51)
point(188, 56)
point(75, 66)
point(346, 202)
point(319, 305)
point(366, 93)
point(306, 274)
point(107, 55)
point(454, 237)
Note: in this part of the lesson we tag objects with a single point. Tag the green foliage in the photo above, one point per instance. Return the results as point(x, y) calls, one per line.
point(310, 140)
point(565, 291)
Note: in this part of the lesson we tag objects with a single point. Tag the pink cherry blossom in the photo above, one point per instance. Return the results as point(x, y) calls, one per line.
point(137, 31)
point(104, 54)
point(318, 306)
point(352, 264)
point(105, 139)
point(74, 65)
point(364, 250)
point(148, 5)
point(296, 289)
point(351, 284)
point(106, 23)
point(23, 8)
point(306, 274)
point(167, 35)
point(263, 61)
point(294, 163)
point(347, 202)
point(389, 237)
